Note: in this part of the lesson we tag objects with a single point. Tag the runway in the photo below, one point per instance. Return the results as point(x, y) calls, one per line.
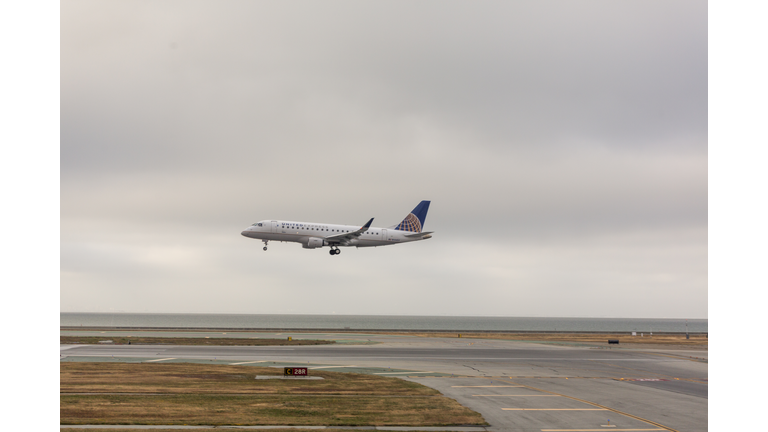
point(515, 385)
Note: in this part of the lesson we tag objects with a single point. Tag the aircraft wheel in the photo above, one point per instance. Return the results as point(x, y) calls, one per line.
point(332, 252)
point(265, 248)
point(338, 251)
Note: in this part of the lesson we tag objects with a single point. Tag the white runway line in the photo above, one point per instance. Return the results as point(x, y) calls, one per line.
point(485, 386)
point(257, 361)
point(66, 347)
point(159, 360)
point(515, 395)
point(554, 409)
point(526, 359)
point(331, 367)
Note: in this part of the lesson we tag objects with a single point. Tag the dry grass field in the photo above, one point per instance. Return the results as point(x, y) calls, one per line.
point(590, 338)
point(160, 429)
point(199, 394)
point(196, 378)
point(122, 340)
point(696, 340)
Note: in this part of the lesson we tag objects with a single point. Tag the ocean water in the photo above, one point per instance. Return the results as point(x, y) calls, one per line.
point(381, 322)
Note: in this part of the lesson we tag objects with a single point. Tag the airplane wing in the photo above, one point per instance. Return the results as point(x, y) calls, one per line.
point(343, 239)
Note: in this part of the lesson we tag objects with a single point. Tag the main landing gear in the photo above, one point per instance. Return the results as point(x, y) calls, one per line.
point(265, 244)
point(334, 251)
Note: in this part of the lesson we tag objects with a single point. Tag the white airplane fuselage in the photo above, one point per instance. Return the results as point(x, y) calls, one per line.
point(316, 235)
point(312, 235)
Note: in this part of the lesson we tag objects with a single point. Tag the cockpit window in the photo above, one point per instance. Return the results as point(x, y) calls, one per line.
point(257, 224)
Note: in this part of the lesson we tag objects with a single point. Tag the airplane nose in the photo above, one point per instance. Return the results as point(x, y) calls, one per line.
point(245, 233)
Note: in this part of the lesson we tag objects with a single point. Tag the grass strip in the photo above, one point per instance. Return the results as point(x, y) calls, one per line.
point(141, 340)
point(264, 410)
point(623, 338)
point(197, 378)
point(203, 394)
point(160, 429)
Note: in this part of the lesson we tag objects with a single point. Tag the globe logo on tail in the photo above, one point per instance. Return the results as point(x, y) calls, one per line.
point(410, 223)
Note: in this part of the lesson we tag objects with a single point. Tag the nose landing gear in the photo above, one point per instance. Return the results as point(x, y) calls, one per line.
point(265, 244)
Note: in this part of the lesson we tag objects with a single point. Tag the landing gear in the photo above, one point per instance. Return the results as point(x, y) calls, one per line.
point(265, 244)
point(334, 251)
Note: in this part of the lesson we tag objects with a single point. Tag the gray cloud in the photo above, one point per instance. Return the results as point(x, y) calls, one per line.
point(563, 143)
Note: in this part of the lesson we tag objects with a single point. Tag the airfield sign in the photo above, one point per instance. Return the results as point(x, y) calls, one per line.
point(295, 371)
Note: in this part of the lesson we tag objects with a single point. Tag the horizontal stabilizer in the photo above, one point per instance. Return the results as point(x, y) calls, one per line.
point(416, 235)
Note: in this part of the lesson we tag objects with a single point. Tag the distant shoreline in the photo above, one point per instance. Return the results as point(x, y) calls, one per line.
point(375, 324)
point(350, 330)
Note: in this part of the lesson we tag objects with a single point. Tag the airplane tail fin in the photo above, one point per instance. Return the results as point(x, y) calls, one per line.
point(415, 220)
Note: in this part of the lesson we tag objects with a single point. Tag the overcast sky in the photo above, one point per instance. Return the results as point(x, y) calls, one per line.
point(563, 146)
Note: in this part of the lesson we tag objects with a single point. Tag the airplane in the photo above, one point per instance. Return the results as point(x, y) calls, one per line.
point(317, 235)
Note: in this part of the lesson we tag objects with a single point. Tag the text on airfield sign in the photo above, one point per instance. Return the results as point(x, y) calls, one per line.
point(295, 371)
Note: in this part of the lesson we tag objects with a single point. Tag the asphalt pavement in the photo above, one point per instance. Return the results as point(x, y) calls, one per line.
point(514, 385)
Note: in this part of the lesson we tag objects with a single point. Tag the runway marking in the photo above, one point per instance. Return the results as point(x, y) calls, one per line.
point(694, 359)
point(654, 373)
point(257, 361)
point(522, 358)
point(66, 347)
point(554, 409)
point(486, 386)
point(599, 406)
point(329, 367)
point(401, 373)
point(596, 430)
point(159, 360)
point(515, 395)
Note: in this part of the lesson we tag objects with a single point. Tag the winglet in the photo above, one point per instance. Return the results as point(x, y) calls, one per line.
point(367, 225)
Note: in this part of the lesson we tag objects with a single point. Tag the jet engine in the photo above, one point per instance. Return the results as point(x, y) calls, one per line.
point(313, 243)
